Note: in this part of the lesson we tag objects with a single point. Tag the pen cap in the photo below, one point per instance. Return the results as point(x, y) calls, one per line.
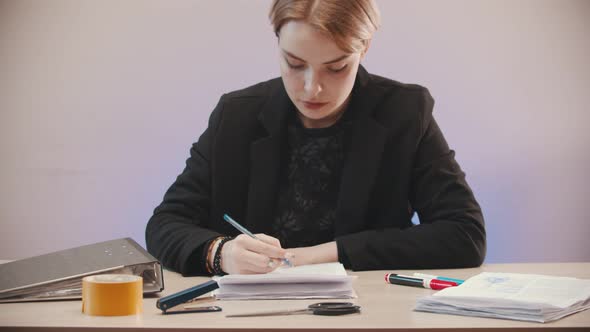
point(440, 284)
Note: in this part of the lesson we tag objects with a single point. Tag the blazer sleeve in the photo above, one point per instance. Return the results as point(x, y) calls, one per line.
point(451, 229)
point(451, 232)
point(177, 232)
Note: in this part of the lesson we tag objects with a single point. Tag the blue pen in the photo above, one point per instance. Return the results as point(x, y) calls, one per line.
point(247, 232)
point(424, 275)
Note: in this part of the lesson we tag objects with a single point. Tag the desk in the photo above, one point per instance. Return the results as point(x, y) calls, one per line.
point(385, 307)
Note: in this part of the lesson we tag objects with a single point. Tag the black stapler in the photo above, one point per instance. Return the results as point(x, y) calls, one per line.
point(171, 304)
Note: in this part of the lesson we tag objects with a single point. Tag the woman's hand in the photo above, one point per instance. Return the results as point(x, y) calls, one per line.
point(321, 253)
point(245, 255)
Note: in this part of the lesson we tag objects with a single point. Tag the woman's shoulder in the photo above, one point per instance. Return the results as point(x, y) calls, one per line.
point(246, 106)
point(392, 93)
point(259, 90)
point(396, 102)
point(390, 85)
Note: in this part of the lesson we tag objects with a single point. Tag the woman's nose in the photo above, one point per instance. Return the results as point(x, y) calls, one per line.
point(312, 85)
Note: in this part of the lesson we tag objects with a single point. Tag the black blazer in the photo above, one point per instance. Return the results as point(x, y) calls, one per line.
point(396, 162)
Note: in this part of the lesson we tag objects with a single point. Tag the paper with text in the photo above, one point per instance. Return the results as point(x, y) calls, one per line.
point(528, 297)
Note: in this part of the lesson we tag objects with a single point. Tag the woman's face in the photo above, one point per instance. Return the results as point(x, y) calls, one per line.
point(318, 76)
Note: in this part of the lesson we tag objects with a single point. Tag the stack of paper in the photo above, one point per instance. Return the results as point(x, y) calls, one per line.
point(302, 282)
point(528, 297)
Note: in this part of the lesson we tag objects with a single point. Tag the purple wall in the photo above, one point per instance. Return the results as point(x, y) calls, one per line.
point(100, 101)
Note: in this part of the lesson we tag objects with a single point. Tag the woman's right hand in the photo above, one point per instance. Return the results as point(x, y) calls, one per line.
point(246, 255)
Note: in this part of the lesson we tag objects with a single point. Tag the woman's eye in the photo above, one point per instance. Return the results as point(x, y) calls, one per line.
point(292, 66)
point(337, 70)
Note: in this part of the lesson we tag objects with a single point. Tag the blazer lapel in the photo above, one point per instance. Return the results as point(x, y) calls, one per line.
point(365, 146)
point(265, 162)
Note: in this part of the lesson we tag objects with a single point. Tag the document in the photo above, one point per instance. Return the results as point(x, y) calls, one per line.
point(58, 275)
point(317, 281)
point(527, 297)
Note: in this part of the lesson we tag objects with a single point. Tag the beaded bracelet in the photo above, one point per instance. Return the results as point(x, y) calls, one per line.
point(217, 258)
point(209, 252)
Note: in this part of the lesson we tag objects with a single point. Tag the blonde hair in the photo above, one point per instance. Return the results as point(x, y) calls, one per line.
point(350, 23)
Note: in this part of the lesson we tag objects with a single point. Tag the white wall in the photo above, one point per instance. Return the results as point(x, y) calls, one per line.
point(100, 101)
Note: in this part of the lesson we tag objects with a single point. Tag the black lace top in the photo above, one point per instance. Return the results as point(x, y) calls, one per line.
point(309, 185)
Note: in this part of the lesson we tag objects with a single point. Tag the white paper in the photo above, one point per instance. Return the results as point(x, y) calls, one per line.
point(529, 297)
point(302, 282)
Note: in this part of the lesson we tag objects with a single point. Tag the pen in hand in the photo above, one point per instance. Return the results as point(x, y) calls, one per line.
point(250, 234)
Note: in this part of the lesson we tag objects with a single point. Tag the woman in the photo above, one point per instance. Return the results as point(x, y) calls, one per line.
point(327, 163)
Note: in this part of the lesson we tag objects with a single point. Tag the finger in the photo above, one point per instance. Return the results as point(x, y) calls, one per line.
point(269, 239)
point(255, 262)
point(261, 247)
point(276, 263)
point(271, 266)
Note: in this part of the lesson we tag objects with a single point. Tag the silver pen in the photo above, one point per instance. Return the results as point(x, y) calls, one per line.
point(250, 234)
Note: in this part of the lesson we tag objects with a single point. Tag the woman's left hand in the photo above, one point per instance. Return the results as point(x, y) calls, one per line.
point(321, 253)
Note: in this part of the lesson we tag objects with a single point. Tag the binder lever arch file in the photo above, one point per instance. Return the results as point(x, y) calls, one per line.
point(58, 275)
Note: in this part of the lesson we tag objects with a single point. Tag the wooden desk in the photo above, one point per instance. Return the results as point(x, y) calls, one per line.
point(385, 307)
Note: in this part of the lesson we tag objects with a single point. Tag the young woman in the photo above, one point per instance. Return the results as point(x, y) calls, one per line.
point(327, 163)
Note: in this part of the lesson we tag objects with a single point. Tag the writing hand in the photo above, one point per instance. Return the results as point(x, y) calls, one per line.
point(246, 255)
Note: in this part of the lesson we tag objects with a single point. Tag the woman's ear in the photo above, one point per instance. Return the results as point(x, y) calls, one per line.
point(367, 44)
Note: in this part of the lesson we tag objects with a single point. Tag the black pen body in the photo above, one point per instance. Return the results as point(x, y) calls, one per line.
point(392, 278)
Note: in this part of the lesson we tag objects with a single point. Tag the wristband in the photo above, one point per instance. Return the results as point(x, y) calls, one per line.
point(217, 258)
point(209, 252)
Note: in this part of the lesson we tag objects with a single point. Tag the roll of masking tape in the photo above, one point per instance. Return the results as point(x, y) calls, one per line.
point(112, 295)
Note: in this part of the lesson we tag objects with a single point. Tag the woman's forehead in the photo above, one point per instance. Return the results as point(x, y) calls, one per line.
point(304, 42)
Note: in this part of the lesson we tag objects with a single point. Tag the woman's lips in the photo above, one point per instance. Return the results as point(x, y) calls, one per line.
point(313, 105)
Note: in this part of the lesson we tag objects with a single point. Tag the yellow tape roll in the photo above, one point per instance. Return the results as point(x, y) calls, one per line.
point(112, 295)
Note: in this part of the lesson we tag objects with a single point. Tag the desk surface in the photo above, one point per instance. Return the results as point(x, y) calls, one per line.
point(384, 306)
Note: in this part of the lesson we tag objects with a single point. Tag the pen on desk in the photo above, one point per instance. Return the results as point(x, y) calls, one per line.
point(243, 230)
point(398, 279)
point(424, 275)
